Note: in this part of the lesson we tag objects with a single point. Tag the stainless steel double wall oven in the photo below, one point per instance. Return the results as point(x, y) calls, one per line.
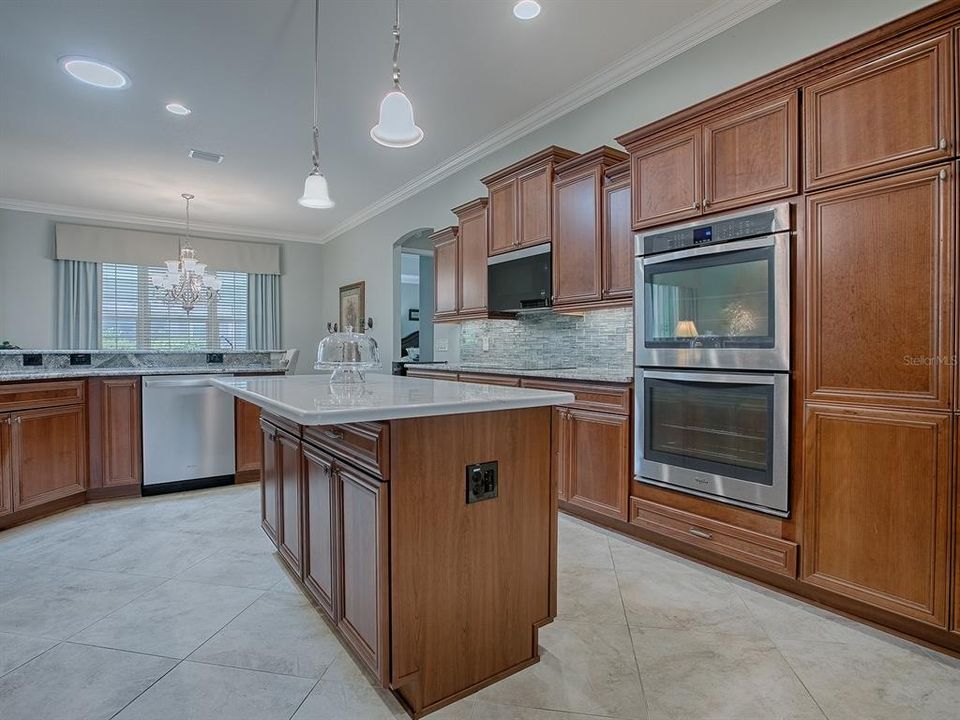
point(712, 336)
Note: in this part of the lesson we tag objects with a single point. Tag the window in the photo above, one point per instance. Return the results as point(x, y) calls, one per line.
point(133, 317)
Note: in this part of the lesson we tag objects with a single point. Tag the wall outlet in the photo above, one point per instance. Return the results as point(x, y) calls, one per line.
point(485, 344)
point(482, 481)
point(442, 346)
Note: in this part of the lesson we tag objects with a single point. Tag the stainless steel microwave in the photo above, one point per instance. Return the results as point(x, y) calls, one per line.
point(520, 280)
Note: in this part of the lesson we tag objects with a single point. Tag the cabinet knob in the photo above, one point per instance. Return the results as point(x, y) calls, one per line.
point(943, 143)
point(943, 174)
point(696, 206)
point(18, 420)
point(706, 203)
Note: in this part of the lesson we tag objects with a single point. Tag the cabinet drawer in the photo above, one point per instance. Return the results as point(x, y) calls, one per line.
point(590, 396)
point(279, 422)
point(504, 380)
point(768, 553)
point(432, 374)
point(25, 396)
point(363, 444)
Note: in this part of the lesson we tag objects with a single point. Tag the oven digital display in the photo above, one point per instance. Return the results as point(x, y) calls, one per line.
point(702, 235)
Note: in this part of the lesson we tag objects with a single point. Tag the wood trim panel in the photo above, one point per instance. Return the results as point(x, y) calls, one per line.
point(869, 533)
point(880, 278)
point(955, 587)
point(432, 374)
point(502, 380)
point(42, 393)
point(249, 449)
point(771, 554)
point(877, 107)
point(617, 237)
point(589, 396)
point(364, 444)
point(6, 465)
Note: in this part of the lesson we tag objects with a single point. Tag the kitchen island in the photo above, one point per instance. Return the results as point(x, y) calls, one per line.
point(421, 518)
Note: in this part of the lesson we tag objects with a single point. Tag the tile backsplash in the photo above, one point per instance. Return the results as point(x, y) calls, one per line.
point(599, 338)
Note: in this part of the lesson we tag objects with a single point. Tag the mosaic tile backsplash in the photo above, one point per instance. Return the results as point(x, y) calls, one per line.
point(600, 338)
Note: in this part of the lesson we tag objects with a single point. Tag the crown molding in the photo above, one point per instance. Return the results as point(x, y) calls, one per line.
point(151, 221)
point(699, 28)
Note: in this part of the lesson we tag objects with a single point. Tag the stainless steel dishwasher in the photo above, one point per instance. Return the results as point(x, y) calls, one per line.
point(188, 434)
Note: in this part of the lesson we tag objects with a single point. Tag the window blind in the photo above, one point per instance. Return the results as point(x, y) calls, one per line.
point(133, 316)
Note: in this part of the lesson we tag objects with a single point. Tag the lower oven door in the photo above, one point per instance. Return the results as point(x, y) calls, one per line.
point(715, 434)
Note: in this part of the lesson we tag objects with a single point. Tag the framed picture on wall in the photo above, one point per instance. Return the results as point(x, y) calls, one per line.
point(352, 309)
point(413, 314)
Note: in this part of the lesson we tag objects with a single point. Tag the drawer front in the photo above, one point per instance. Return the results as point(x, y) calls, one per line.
point(504, 380)
point(768, 553)
point(281, 423)
point(432, 374)
point(362, 444)
point(25, 396)
point(590, 396)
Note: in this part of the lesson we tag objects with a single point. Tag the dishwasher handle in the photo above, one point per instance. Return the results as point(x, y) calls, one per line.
point(199, 382)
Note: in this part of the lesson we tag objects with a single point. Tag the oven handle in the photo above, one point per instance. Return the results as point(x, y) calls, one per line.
point(711, 377)
point(761, 242)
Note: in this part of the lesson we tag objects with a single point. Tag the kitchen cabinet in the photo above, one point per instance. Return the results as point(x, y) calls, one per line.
point(472, 259)
point(446, 265)
point(49, 459)
point(880, 279)
point(885, 114)
point(521, 201)
point(955, 589)
point(560, 445)
point(249, 449)
point(320, 568)
point(6, 467)
point(116, 456)
point(363, 613)
point(270, 482)
point(876, 515)
point(731, 160)
point(617, 247)
point(289, 465)
point(578, 228)
point(427, 374)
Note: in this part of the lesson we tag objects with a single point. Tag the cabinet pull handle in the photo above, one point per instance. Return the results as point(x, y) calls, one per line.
point(943, 143)
point(943, 174)
point(697, 532)
point(333, 434)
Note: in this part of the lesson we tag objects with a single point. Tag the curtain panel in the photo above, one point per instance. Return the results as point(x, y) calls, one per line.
point(78, 305)
point(263, 311)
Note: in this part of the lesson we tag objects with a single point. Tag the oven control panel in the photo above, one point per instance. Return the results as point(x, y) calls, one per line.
point(720, 230)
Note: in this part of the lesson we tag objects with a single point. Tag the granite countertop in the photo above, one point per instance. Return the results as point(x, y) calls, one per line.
point(589, 374)
point(312, 400)
point(75, 373)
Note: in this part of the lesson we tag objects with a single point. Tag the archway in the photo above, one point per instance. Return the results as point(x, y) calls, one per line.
point(413, 296)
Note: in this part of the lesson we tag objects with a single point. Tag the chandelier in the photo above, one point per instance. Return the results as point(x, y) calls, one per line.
point(186, 282)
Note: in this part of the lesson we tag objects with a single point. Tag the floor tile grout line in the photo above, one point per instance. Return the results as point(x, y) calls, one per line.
point(133, 652)
point(309, 693)
point(626, 619)
point(139, 694)
point(222, 627)
point(188, 658)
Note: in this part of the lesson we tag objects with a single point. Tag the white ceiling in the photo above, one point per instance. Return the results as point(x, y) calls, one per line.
point(478, 79)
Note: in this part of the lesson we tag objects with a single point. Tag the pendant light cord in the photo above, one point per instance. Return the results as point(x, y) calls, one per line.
point(396, 50)
point(316, 83)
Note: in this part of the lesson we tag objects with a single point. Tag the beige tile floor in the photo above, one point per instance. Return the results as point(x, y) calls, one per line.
point(175, 608)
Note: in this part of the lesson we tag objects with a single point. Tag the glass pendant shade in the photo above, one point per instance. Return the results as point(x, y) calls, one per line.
point(315, 192)
point(396, 128)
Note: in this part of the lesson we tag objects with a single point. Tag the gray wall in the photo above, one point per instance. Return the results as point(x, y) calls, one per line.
point(785, 32)
point(28, 289)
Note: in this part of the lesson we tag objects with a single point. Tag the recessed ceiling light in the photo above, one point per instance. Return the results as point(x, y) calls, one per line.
point(204, 155)
point(526, 9)
point(93, 72)
point(178, 109)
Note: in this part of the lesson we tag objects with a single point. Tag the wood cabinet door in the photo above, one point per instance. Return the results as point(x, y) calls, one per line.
point(751, 156)
point(503, 217)
point(889, 113)
point(534, 208)
point(473, 264)
point(880, 291)
point(291, 535)
point(446, 288)
point(49, 454)
point(576, 238)
point(876, 511)
point(363, 547)
point(617, 242)
point(666, 180)
point(559, 442)
point(319, 529)
point(6, 468)
point(598, 461)
point(249, 448)
point(270, 483)
point(122, 459)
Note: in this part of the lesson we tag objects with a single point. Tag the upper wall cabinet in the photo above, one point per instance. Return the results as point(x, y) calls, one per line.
point(472, 259)
point(731, 160)
point(578, 228)
point(879, 295)
point(617, 237)
point(889, 113)
point(521, 212)
point(446, 262)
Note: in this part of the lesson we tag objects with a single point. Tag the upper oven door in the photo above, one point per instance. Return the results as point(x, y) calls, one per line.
point(721, 306)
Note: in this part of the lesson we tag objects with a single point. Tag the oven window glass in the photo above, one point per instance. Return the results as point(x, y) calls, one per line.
point(724, 300)
point(718, 428)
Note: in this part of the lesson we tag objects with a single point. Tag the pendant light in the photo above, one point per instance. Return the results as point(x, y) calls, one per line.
point(396, 127)
point(316, 195)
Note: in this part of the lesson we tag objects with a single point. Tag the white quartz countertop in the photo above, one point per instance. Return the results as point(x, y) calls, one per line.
point(82, 371)
point(312, 400)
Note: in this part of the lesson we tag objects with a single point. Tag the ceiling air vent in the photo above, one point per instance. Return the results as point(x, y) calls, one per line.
point(204, 155)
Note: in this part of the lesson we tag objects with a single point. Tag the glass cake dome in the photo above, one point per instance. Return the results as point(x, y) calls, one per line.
point(349, 354)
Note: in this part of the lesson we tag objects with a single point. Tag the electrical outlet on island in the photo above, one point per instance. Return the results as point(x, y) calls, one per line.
point(485, 343)
point(442, 346)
